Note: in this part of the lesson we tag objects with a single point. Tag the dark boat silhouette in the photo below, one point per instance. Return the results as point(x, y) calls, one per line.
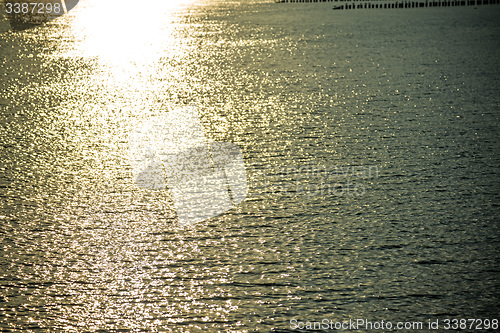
point(25, 15)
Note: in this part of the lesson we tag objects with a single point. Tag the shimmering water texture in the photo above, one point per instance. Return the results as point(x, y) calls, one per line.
point(370, 145)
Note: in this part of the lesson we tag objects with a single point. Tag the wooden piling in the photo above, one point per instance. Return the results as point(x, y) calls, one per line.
point(389, 4)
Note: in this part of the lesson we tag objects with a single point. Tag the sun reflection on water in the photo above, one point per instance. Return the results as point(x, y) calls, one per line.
point(117, 31)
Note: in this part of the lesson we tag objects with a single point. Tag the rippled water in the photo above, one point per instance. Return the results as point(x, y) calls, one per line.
point(371, 141)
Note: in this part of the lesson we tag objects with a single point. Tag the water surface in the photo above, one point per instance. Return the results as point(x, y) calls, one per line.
point(407, 97)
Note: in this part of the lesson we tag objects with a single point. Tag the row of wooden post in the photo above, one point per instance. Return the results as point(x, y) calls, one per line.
point(401, 4)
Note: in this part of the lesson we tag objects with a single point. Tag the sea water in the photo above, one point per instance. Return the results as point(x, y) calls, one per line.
point(371, 147)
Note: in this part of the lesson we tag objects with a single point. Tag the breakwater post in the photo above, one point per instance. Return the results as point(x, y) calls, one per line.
point(384, 4)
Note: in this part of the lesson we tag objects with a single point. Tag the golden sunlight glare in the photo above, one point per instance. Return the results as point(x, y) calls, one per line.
point(118, 30)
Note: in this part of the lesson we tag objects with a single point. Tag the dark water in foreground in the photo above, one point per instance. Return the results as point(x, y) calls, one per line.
point(408, 98)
